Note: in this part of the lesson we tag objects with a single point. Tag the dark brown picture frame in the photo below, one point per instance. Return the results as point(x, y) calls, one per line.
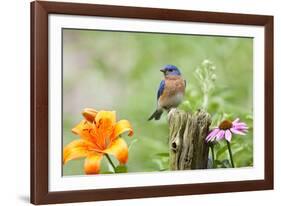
point(39, 102)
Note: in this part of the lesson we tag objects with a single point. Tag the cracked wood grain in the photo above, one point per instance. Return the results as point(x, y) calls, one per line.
point(188, 149)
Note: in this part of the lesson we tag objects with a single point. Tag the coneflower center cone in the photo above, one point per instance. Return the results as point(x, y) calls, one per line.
point(225, 125)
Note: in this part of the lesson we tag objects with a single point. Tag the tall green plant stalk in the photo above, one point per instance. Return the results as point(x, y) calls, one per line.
point(230, 154)
point(205, 74)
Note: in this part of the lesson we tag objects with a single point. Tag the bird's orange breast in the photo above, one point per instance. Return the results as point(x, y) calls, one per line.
point(173, 85)
point(173, 92)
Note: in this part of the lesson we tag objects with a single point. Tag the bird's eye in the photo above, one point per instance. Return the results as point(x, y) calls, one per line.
point(170, 70)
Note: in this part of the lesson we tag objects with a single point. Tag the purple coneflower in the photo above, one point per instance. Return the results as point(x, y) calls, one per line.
point(225, 130)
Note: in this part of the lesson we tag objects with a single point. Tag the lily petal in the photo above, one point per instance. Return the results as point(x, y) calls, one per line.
point(76, 149)
point(104, 125)
point(119, 149)
point(83, 129)
point(121, 127)
point(92, 163)
point(103, 130)
point(89, 114)
point(87, 131)
point(105, 115)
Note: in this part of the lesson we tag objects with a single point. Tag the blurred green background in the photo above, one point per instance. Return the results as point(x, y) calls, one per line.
point(120, 71)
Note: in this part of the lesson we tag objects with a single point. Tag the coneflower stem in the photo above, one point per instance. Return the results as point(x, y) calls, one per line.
point(110, 161)
point(213, 155)
point(230, 154)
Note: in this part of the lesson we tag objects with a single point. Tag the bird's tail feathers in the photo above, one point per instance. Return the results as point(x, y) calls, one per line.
point(156, 115)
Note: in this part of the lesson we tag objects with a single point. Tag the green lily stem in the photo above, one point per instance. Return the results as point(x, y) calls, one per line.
point(213, 155)
point(110, 161)
point(230, 154)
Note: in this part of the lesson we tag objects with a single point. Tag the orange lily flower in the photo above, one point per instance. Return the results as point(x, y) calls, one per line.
point(99, 135)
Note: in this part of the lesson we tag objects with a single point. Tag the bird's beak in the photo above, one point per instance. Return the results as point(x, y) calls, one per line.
point(162, 70)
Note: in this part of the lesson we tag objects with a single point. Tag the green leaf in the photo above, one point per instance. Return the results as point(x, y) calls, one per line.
point(186, 105)
point(223, 164)
point(221, 151)
point(226, 163)
point(107, 172)
point(162, 154)
point(218, 164)
point(121, 169)
point(131, 144)
point(249, 117)
point(159, 164)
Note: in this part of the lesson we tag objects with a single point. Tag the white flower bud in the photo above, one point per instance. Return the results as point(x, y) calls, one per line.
point(213, 77)
point(206, 62)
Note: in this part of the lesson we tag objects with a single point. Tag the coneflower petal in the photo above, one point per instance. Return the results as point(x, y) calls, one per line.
point(228, 135)
point(242, 124)
point(236, 121)
point(220, 135)
point(236, 131)
point(213, 133)
point(241, 127)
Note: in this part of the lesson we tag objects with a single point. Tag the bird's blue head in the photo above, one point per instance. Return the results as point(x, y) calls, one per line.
point(171, 70)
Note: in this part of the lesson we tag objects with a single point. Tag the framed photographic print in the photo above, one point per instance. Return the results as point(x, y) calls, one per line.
point(131, 102)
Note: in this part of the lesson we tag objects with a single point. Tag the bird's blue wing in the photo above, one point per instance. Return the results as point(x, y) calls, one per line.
point(161, 89)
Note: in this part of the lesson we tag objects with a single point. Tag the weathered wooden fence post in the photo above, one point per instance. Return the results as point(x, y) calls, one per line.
point(188, 149)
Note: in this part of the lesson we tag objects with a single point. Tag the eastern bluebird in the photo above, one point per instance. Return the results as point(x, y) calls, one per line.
point(171, 91)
